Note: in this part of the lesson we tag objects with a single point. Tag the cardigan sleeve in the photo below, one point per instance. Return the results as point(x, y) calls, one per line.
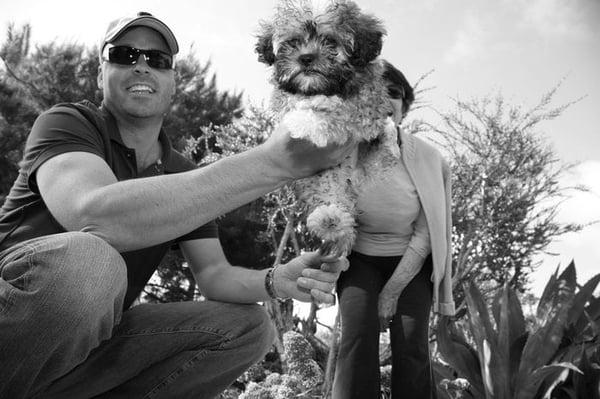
point(446, 301)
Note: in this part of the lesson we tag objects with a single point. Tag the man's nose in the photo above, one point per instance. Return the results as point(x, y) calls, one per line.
point(141, 65)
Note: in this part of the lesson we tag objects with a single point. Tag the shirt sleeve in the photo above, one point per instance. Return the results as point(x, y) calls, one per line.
point(209, 230)
point(56, 131)
point(420, 241)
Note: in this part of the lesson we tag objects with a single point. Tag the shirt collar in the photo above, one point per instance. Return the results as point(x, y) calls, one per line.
point(115, 135)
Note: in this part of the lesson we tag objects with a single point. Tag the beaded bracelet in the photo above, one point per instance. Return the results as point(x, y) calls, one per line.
point(270, 283)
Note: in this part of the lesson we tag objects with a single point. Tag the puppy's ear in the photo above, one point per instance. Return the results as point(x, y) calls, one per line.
point(264, 45)
point(368, 40)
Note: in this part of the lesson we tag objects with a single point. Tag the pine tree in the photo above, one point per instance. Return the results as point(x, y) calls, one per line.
point(198, 103)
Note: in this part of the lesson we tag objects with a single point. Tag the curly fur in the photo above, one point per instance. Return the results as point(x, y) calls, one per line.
point(329, 88)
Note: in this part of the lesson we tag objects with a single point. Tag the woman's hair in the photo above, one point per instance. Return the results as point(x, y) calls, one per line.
point(397, 86)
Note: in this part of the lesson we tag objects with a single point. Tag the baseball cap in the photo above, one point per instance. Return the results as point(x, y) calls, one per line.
point(118, 26)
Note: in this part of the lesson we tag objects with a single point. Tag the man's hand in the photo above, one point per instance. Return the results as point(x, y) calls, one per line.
point(297, 158)
point(386, 308)
point(309, 276)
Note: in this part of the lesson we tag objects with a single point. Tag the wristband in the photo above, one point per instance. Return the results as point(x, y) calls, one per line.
point(270, 283)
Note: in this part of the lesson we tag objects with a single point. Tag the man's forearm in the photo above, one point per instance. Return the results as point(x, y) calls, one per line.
point(143, 212)
point(233, 284)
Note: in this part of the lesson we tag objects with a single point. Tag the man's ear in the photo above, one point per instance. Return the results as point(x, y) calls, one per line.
point(99, 78)
point(174, 88)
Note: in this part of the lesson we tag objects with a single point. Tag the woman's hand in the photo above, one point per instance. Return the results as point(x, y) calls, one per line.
point(388, 302)
point(408, 267)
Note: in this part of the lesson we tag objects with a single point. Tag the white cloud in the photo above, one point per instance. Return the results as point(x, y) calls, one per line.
point(555, 18)
point(468, 42)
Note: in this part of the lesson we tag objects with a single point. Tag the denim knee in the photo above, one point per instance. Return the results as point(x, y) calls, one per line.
point(92, 271)
point(66, 294)
point(72, 273)
point(260, 331)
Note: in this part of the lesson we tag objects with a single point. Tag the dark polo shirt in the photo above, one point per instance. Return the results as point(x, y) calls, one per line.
point(84, 127)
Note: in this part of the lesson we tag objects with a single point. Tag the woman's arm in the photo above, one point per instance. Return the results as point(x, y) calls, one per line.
point(409, 266)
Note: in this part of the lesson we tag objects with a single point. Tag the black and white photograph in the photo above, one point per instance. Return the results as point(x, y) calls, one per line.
point(316, 199)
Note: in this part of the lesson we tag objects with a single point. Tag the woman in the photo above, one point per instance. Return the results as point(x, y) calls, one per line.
point(400, 267)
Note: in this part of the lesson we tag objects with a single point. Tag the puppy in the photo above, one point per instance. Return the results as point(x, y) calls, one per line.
point(329, 88)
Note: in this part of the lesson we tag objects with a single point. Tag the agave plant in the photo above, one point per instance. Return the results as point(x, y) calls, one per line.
point(502, 358)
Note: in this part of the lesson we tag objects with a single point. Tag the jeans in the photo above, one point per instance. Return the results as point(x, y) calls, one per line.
point(63, 333)
point(357, 369)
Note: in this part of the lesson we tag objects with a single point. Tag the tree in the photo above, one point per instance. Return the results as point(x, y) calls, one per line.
point(16, 111)
point(506, 191)
point(33, 81)
point(198, 103)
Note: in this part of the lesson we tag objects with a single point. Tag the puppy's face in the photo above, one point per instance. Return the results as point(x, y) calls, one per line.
point(318, 51)
point(312, 60)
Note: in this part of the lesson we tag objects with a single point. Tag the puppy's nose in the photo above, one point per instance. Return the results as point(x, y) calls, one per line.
point(306, 59)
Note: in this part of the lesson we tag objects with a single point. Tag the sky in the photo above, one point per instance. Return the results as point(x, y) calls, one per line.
point(519, 48)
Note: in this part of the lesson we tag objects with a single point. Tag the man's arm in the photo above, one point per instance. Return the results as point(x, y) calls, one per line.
point(83, 194)
point(303, 278)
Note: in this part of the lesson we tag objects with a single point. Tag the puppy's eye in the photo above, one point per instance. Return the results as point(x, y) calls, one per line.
point(294, 42)
point(329, 41)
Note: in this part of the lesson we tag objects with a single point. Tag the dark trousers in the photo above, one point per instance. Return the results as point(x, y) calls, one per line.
point(357, 369)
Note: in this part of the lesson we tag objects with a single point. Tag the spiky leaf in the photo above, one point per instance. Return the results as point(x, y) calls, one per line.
point(593, 308)
point(582, 298)
point(484, 335)
point(508, 308)
point(542, 345)
point(587, 384)
point(546, 378)
point(547, 294)
point(460, 355)
point(516, 351)
point(556, 292)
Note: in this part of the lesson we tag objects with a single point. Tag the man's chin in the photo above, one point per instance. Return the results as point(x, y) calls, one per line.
point(144, 110)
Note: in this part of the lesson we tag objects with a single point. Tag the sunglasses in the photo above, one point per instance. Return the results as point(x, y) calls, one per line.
point(125, 55)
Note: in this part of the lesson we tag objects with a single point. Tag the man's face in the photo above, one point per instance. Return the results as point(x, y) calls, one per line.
point(137, 91)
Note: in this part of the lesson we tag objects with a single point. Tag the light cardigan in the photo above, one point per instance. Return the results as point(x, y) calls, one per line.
point(430, 173)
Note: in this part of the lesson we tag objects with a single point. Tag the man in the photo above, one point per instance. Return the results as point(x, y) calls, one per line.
point(100, 198)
